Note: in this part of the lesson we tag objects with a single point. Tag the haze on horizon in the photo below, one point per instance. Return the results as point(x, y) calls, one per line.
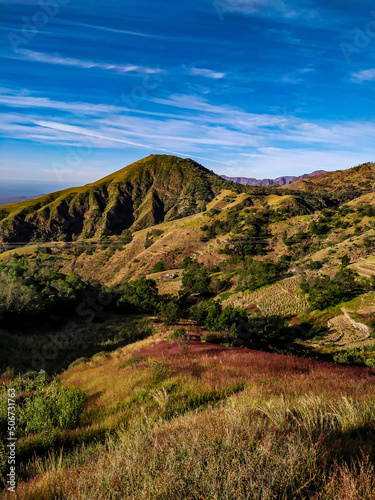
point(251, 88)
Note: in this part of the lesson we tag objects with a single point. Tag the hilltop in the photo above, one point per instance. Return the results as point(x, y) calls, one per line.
point(156, 189)
point(341, 185)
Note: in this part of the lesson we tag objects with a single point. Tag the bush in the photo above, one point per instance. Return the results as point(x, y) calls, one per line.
point(325, 292)
point(195, 278)
point(140, 295)
point(126, 236)
point(168, 312)
point(261, 273)
point(159, 267)
point(44, 406)
point(213, 316)
point(181, 336)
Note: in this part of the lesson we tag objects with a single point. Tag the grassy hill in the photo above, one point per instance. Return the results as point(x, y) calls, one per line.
point(147, 192)
point(340, 186)
point(165, 419)
point(249, 373)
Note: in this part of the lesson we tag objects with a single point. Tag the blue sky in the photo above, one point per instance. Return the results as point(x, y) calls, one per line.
point(256, 88)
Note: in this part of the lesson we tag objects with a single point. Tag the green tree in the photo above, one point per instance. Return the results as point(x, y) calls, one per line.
point(345, 260)
point(168, 312)
point(159, 267)
point(195, 279)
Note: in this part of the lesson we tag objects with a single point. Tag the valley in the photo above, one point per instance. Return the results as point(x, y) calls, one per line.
point(181, 317)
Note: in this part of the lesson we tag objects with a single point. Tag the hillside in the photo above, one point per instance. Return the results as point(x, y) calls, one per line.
point(147, 192)
point(178, 420)
point(200, 326)
point(340, 186)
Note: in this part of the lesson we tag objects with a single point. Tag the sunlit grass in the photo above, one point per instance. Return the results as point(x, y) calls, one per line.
point(210, 422)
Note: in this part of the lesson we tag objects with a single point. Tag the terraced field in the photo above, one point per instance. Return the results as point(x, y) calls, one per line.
point(365, 267)
point(282, 299)
point(345, 332)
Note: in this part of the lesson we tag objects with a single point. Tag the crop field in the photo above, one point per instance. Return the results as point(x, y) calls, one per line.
point(365, 267)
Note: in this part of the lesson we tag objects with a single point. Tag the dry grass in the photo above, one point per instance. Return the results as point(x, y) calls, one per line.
point(214, 423)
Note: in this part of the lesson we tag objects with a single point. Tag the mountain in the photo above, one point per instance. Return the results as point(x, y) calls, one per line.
point(341, 185)
point(280, 181)
point(7, 200)
point(155, 189)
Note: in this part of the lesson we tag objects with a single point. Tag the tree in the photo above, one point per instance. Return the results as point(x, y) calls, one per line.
point(168, 312)
point(138, 296)
point(195, 279)
point(345, 260)
point(126, 236)
point(159, 266)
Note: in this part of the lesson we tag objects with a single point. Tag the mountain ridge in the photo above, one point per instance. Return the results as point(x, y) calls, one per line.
point(281, 181)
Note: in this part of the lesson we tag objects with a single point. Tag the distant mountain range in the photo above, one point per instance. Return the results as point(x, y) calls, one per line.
point(14, 199)
point(280, 181)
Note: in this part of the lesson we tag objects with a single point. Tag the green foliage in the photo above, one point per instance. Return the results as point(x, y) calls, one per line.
point(318, 228)
point(364, 356)
point(213, 316)
point(43, 407)
point(181, 336)
point(262, 272)
point(168, 312)
point(222, 226)
point(160, 370)
point(140, 296)
point(345, 260)
point(314, 265)
point(252, 238)
point(35, 287)
point(126, 236)
point(195, 279)
point(325, 292)
point(159, 267)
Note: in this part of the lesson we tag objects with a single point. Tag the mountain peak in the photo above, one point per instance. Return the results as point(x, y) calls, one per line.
point(154, 189)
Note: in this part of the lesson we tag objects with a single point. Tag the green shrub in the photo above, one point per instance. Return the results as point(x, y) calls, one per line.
point(168, 312)
point(181, 336)
point(159, 267)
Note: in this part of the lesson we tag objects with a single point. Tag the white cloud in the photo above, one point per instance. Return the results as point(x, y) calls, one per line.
point(367, 75)
point(268, 7)
point(22, 100)
point(271, 162)
point(273, 143)
point(206, 73)
point(56, 59)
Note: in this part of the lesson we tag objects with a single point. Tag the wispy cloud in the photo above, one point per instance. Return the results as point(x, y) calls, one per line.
point(268, 7)
point(110, 30)
point(25, 100)
point(296, 76)
point(367, 75)
point(199, 129)
point(56, 59)
point(206, 73)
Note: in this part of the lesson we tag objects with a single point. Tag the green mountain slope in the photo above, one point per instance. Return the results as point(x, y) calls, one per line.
point(147, 192)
